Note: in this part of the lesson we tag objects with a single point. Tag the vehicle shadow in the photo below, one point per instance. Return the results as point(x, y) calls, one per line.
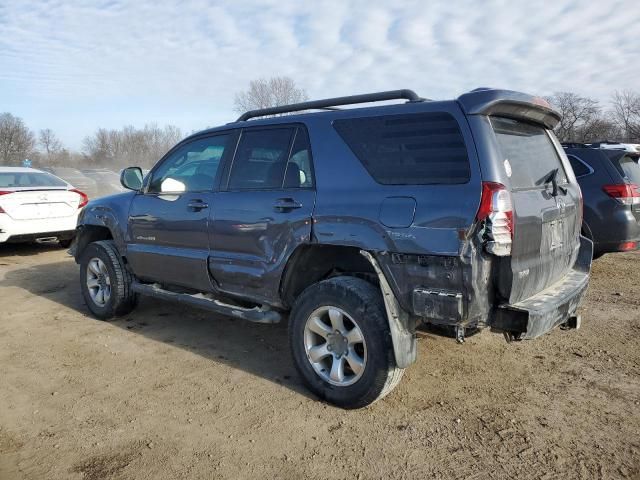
point(26, 249)
point(261, 350)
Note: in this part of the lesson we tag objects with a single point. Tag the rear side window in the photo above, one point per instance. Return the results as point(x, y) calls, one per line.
point(579, 167)
point(261, 159)
point(412, 149)
point(629, 168)
point(28, 179)
point(528, 152)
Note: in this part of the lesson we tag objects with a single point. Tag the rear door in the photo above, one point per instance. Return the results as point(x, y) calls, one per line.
point(546, 203)
point(263, 212)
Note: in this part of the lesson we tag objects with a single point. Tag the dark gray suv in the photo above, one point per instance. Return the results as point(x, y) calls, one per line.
point(357, 224)
point(610, 181)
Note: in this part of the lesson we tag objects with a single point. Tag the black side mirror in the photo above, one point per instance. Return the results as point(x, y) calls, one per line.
point(131, 178)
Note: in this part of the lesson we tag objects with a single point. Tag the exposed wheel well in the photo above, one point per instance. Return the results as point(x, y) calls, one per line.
point(310, 264)
point(88, 234)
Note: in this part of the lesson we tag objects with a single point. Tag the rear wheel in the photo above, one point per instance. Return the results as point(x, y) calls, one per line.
point(105, 282)
point(341, 344)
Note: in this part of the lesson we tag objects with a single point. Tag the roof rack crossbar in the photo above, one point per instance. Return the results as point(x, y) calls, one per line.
point(406, 94)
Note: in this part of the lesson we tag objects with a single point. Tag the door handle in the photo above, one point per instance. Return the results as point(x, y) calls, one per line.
point(286, 204)
point(197, 205)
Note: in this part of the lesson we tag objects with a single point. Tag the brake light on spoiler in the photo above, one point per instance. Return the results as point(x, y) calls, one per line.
point(625, 193)
point(496, 210)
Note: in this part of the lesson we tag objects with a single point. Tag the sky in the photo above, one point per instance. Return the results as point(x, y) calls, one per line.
point(74, 66)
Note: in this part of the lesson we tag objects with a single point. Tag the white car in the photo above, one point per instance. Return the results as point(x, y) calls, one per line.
point(37, 206)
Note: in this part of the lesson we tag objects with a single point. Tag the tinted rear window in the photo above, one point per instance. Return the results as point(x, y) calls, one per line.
point(629, 168)
point(529, 151)
point(413, 149)
point(29, 179)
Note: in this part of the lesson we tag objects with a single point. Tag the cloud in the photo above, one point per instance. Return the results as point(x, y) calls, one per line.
point(74, 66)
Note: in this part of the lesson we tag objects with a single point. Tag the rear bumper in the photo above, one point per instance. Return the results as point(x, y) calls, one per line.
point(553, 306)
point(26, 230)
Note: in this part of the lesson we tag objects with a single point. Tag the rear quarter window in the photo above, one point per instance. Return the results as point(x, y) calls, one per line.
point(411, 149)
point(628, 168)
point(580, 168)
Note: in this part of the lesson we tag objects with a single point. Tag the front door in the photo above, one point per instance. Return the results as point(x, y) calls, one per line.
point(263, 212)
point(168, 222)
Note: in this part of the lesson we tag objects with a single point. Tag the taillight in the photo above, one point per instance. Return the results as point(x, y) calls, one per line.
point(627, 246)
point(83, 197)
point(625, 193)
point(496, 210)
point(2, 192)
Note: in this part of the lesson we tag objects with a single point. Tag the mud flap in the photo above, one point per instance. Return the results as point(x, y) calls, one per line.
point(402, 335)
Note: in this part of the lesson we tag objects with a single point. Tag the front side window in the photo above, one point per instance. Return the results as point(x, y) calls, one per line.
point(191, 168)
point(261, 159)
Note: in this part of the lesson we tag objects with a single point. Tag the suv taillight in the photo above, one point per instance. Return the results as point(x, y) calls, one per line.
point(83, 197)
point(625, 193)
point(496, 210)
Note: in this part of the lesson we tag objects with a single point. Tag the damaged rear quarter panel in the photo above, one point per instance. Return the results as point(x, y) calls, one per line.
point(349, 204)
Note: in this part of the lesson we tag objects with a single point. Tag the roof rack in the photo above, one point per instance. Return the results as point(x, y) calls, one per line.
point(576, 145)
point(331, 103)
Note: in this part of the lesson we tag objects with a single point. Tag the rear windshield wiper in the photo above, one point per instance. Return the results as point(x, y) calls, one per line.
point(553, 179)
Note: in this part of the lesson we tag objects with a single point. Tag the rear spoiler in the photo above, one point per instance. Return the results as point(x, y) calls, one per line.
point(507, 103)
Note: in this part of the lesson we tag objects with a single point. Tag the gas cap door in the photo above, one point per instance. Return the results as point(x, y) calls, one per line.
point(397, 212)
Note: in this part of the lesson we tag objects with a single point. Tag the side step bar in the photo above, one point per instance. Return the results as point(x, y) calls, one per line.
point(256, 314)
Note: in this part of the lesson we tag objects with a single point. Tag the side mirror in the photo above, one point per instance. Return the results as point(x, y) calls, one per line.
point(131, 178)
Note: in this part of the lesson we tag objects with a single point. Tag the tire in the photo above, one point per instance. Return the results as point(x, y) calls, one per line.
point(121, 298)
point(362, 307)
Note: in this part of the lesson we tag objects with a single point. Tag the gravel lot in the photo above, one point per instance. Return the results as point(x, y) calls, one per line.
point(169, 392)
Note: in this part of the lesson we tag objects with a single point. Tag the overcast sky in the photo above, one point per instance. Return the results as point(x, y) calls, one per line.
point(73, 67)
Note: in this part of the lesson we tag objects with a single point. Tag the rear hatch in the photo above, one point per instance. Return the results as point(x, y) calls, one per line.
point(22, 204)
point(546, 204)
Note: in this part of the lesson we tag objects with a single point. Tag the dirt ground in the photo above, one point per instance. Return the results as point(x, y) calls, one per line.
point(169, 392)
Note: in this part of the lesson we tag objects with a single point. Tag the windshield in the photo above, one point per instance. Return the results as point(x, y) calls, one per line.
point(29, 179)
point(529, 156)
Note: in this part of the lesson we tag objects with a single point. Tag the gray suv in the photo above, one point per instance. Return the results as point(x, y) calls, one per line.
point(357, 224)
point(610, 181)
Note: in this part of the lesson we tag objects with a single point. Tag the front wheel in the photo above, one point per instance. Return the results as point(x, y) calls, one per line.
point(341, 344)
point(105, 281)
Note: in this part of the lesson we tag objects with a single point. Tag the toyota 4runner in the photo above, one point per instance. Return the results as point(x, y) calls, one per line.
point(359, 224)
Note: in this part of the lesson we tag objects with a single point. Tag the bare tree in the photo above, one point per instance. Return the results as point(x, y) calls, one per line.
point(578, 113)
point(16, 140)
point(272, 92)
point(626, 114)
point(130, 146)
point(51, 145)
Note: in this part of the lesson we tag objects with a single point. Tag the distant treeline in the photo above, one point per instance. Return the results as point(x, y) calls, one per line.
point(584, 120)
